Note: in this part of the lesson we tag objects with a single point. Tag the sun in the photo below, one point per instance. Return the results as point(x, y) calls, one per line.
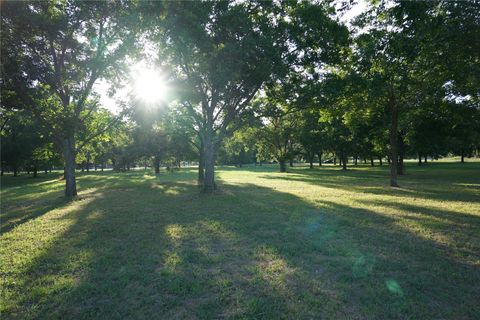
point(149, 84)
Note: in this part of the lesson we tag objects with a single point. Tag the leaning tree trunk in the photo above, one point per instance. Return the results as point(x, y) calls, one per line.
point(393, 142)
point(69, 174)
point(209, 163)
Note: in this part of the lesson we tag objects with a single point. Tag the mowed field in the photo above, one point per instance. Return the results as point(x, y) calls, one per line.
point(307, 244)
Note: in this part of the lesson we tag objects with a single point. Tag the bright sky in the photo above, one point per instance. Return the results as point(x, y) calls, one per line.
point(150, 86)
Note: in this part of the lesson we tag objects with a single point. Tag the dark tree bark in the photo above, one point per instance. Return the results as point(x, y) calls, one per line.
point(364, 160)
point(401, 167)
point(311, 157)
point(15, 171)
point(355, 161)
point(343, 161)
point(201, 165)
point(83, 166)
point(291, 162)
point(283, 166)
point(35, 171)
point(156, 164)
point(69, 174)
point(425, 159)
point(335, 160)
point(419, 159)
point(209, 163)
point(372, 163)
point(145, 164)
point(88, 161)
point(319, 159)
point(380, 160)
point(462, 157)
point(393, 141)
point(102, 166)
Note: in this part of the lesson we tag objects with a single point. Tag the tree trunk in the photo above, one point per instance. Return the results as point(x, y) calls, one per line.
point(1, 171)
point(462, 157)
point(419, 159)
point(156, 164)
point(311, 160)
point(401, 167)
point(364, 160)
point(102, 166)
point(15, 171)
point(201, 166)
point(35, 171)
point(319, 159)
point(335, 161)
point(425, 159)
point(88, 161)
point(356, 160)
point(393, 142)
point(372, 163)
point(69, 174)
point(283, 167)
point(344, 161)
point(95, 166)
point(145, 164)
point(209, 163)
point(291, 162)
point(380, 160)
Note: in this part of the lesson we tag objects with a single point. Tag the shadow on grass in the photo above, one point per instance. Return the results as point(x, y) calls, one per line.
point(446, 182)
point(149, 248)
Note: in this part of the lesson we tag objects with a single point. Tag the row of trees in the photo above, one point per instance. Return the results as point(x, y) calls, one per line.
point(274, 80)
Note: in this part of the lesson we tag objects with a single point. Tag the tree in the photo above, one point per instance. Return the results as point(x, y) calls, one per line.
point(58, 50)
point(223, 53)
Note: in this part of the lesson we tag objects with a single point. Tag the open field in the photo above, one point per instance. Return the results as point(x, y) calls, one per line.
point(308, 244)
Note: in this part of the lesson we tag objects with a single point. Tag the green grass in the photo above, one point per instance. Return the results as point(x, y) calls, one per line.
point(308, 244)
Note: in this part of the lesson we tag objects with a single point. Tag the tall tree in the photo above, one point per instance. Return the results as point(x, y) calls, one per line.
point(224, 52)
point(59, 49)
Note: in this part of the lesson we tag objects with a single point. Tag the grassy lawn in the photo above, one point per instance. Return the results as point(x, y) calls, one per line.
point(308, 244)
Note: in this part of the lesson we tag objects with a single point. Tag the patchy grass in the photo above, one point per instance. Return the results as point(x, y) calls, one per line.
point(308, 244)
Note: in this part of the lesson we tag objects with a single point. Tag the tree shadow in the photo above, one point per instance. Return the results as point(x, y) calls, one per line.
point(159, 249)
point(437, 183)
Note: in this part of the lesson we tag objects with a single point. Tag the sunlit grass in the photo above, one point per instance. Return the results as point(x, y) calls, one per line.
point(306, 244)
